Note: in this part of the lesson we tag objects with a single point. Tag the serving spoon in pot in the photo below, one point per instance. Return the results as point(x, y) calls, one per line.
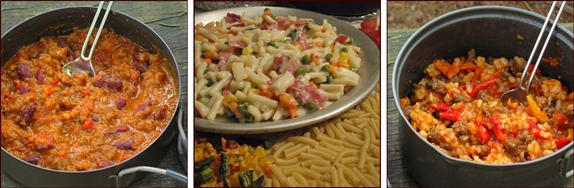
point(84, 64)
point(519, 94)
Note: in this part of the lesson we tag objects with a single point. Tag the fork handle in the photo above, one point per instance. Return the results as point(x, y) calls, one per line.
point(99, 30)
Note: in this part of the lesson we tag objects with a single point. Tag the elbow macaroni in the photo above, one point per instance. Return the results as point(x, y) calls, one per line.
point(238, 54)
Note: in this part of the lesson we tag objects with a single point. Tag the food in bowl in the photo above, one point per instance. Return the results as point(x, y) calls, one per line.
point(79, 123)
point(456, 107)
point(269, 68)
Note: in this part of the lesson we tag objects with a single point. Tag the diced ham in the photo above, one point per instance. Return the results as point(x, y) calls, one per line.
point(341, 39)
point(305, 93)
point(232, 18)
point(279, 61)
point(293, 65)
point(224, 56)
point(237, 44)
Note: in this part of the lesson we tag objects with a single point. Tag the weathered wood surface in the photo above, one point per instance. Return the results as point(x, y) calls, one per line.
point(150, 13)
point(397, 173)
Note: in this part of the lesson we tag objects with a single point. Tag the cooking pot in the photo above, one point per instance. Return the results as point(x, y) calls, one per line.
point(493, 32)
point(61, 22)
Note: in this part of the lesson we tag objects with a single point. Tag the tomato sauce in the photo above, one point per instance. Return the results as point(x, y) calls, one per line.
point(78, 123)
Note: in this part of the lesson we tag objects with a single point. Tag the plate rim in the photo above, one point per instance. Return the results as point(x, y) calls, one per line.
point(370, 61)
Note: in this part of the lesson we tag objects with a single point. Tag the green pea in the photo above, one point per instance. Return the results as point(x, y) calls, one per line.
point(306, 59)
point(330, 79)
point(255, 86)
point(300, 71)
point(328, 57)
point(206, 70)
point(243, 108)
point(343, 49)
point(294, 34)
point(211, 81)
point(310, 105)
point(271, 43)
point(204, 100)
point(326, 68)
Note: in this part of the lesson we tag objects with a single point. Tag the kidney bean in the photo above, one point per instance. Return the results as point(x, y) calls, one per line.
point(2, 71)
point(141, 108)
point(159, 114)
point(95, 118)
point(120, 103)
point(142, 66)
point(115, 83)
point(102, 163)
point(102, 81)
point(121, 129)
point(23, 90)
point(124, 145)
point(28, 113)
point(32, 159)
point(40, 75)
point(24, 71)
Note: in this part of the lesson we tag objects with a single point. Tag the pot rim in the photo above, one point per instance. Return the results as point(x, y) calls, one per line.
point(175, 74)
point(430, 26)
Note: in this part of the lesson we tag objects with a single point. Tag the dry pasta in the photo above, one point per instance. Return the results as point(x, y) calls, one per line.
point(347, 153)
point(280, 66)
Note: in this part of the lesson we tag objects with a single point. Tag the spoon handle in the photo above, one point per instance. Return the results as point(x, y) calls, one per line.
point(99, 30)
point(527, 87)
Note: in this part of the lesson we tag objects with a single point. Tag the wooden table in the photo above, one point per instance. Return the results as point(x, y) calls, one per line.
point(396, 169)
point(150, 13)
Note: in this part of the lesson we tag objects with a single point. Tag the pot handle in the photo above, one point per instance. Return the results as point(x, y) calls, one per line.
point(565, 165)
point(116, 180)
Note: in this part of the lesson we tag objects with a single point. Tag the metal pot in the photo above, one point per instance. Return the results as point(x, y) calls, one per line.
point(61, 22)
point(492, 31)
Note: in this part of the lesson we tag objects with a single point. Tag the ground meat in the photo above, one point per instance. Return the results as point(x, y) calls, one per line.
point(437, 86)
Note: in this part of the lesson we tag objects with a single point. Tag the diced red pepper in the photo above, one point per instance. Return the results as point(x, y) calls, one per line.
point(561, 142)
point(479, 87)
point(553, 61)
point(431, 109)
point(55, 82)
point(531, 67)
point(19, 56)
point(18, 84)
point(443, 107)
point(534, 129)
point(88, 125)
point(85, 92)
point(482, 133)
point(235, 167)
point(559, 119)
point(450, 115)
point(497, 128)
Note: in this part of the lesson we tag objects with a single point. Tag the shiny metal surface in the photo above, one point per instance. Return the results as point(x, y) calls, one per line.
point(369, 72)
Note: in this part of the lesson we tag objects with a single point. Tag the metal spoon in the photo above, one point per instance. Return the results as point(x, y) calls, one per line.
point(519, 94)
point(83, 63)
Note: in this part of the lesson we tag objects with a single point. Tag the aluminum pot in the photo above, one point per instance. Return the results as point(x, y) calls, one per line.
point(492, 31)
point(61, 22)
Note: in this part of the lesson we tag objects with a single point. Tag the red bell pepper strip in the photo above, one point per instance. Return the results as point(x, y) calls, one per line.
point(479, 87)
point(559, 119)
point(497, 128)
point(450, 115)
point(561, 142)
point(534, 129)
point(482, 133)
point(531, 67)
point(443, 107)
